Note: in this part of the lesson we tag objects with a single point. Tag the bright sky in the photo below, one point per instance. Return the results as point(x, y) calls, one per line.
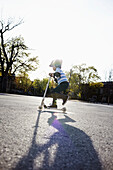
point(77, 31)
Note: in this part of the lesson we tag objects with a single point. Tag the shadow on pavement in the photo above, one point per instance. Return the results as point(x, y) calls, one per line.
point(66, 147)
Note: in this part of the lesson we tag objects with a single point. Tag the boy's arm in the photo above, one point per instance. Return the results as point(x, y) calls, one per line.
point(51, 74)
point(56, 74)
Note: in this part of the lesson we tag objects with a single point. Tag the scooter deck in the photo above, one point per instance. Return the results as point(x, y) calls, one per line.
point(63, 109)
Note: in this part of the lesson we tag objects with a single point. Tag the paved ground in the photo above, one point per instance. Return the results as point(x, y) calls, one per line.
point(81, 139)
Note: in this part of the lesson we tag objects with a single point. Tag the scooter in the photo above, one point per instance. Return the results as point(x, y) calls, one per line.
point(47, 107)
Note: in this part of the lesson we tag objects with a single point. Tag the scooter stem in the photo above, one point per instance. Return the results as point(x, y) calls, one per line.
point(45, 91)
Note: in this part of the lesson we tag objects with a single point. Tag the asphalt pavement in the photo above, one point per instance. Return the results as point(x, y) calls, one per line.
point(30, 139)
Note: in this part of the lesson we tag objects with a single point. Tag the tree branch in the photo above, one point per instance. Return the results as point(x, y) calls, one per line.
point(22, 64)
point(7, 27)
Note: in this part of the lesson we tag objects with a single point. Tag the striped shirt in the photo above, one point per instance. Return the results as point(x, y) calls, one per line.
point(62, 77)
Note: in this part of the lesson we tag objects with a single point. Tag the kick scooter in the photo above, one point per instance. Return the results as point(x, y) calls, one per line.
point(47, 107)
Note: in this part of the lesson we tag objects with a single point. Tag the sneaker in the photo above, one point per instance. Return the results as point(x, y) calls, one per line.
point(65, 99)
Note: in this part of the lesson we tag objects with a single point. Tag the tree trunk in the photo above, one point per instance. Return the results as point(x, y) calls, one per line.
point(4, 83)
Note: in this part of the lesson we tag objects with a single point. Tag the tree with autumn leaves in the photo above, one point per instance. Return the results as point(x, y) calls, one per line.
point(83, 81)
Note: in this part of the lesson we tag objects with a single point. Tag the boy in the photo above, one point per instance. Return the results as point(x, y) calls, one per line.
point(62, 81)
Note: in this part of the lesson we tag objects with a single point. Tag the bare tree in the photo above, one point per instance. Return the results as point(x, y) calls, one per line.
point(13, 55)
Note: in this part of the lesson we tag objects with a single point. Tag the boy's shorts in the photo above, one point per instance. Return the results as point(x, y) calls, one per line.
point(61, 87)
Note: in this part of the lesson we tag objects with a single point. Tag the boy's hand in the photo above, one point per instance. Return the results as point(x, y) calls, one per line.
point(51, 74)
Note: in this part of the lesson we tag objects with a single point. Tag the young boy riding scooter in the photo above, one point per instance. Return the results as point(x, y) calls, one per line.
point(61, 80)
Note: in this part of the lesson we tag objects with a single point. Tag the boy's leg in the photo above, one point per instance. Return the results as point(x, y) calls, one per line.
point(55, 96)
point(60, 88)
point(54, 103)
point(56, 93)
point(61, 96)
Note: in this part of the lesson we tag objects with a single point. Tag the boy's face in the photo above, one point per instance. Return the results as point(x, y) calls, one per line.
point(54, 68)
